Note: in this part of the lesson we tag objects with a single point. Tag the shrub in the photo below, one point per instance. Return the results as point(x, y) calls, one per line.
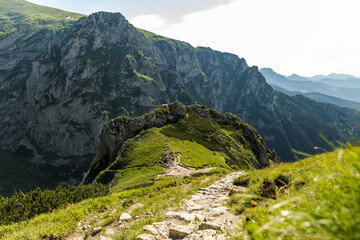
point(22, 206)
point(242, 181)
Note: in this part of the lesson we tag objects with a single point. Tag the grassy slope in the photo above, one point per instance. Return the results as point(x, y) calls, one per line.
point(326, 207)
point(133, 178)
point(164, 193)
point(157, 38)
point(199, 143)
point(19, 14)
point(321, 201)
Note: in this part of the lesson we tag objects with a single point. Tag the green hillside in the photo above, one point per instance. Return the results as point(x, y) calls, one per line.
point(21, 15)
point(200, 138)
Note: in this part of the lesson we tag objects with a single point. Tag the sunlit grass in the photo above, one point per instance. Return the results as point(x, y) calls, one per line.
point(165, 192)
point(321, 200)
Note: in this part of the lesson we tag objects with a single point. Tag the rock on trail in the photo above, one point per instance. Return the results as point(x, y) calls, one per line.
point(202, 216)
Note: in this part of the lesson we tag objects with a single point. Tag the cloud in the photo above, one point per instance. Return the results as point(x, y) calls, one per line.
point(153, 22)
point(303, 36)
point(172, 10)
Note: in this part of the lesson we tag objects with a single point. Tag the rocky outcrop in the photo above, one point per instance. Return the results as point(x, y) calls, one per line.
point(117, 131)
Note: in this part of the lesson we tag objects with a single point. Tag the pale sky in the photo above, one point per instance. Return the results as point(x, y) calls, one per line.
point(306, 37)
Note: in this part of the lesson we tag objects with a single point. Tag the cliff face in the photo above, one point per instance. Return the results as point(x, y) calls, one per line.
point(104, 67)
point(59, 88)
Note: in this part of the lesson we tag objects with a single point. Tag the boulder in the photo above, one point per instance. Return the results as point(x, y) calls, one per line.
point(146, 237)
point(180, 216)
point(125, 217)
point(209, 225)
point(180, 231)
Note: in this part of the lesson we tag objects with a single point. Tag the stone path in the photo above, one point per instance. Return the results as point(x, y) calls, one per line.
point(203, 216)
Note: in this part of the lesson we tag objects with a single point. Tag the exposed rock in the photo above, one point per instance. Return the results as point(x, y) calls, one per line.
point(125, 217)
point(180, 231)
point(206, 235)
point(191, 206)
point(162, 229)
point(109, 231)
point(95, 231)
point(146, 237)
point(180, 216)
point(151, 229)
point(218, 211)
point(209, 225)
point(104, 238)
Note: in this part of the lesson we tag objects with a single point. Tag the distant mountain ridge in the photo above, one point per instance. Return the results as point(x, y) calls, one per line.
point(338, 76)
point(344, 88)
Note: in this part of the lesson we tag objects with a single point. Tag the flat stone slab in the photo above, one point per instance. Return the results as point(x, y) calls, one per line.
point(180, 231)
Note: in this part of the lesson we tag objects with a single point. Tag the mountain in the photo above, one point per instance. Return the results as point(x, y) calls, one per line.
point(60, 86)
point(295, 77)
point(277, 80)
point(344, 89)
point(331, 76)
point(175, 134)
point(349, 82)
point(333, 100)
point(333, 79)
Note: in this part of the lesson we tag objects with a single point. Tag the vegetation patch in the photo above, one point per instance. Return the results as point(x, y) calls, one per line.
point(164, 193)
point(25, 15)
point(22, 206)
point(315, 198)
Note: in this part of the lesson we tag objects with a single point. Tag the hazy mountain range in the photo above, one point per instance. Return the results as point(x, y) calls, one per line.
point(340, 89)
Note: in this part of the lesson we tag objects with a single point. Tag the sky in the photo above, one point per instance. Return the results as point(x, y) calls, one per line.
point(306, 37)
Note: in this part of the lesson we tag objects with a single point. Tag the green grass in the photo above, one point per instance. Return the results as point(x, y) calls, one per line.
point(196, 155)
point(143, 158)
point(164, 193)
point(320, 199)
point(20, 14)
point(156, 38)
point(218, 136)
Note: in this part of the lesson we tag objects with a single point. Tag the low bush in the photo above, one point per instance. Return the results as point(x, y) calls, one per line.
point(22, 206)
